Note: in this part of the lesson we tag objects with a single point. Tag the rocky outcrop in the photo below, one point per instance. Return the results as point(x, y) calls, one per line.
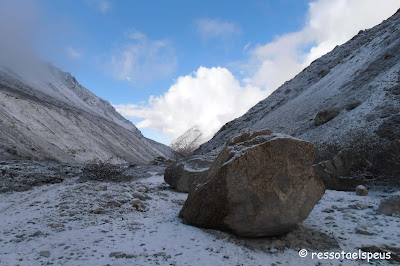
point(390, 205)
point(182, 174)
point(261, 184)
point(340, 172)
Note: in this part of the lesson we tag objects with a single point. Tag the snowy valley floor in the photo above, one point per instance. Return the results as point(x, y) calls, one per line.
point(136, 223)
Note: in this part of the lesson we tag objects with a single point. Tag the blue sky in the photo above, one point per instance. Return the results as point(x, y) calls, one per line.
point(93, 33)
point(171, 65)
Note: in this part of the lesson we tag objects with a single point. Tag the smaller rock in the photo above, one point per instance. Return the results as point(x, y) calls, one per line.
point(100, 188)
point(114, 203)
point(97, 210)
point(328, 210)
point(57, 226)
point(358, 206)
point(340, 172)
point(37, 233)
point(361, 190)
point(362, 231)
point(348, 215)
point(160, 254)
point(139, 195)
point(45, 253)
point(183, 173)
point(178, 201)
point(117, 255)
point(135, 203)
point(141, 189)
point(390, 205)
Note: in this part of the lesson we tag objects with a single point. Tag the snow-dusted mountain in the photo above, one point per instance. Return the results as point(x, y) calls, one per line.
point(189, 141)
point(355, 89)
point(46, 114)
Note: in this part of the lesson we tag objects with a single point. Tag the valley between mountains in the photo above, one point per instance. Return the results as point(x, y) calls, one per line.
point(308, 176)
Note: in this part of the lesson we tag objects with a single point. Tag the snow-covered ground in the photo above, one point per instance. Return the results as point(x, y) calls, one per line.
point(136, 223)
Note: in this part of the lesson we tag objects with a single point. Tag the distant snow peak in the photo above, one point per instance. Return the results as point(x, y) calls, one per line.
point(189, 141)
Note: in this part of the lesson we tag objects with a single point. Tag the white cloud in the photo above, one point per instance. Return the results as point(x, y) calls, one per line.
point(72, 53)
point(208, 98)
point(141, 59)
point(329, 23)
point(212, 96)
point(216, 28)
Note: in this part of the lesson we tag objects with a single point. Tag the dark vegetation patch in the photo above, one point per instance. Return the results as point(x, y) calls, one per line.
point(21, 175)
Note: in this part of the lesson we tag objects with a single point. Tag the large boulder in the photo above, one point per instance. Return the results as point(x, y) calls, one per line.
point(182, 174)
point(261, 184)
point(340, 173)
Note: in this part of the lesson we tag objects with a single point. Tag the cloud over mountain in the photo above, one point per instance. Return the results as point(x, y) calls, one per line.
point(210, 97)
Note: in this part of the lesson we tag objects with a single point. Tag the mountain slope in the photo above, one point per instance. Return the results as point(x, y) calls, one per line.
point(46, 114)
point(360, 78)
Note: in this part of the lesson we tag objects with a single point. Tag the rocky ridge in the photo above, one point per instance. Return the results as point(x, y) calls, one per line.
point(346, 100)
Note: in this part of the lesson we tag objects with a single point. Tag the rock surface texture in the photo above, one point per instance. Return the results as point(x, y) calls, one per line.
point(261, 184)
point(182, 174)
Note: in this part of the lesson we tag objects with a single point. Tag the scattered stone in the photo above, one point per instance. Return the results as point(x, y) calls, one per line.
point(135, 203)
point(160, 254)
point(178, 201)
point(390, 205)
point(363, 231)
point(182, 174)
point(100, 188)
point(261, 184)
point(328, 210)
point(141, 189)
point(162, 194)
point(361, 190)
point(45, 253)
point(117, 255)
point(114, 203)
point(57, 226)
point(139, 195)
point(37, 233)
point(349, 215)
point(98, 210)
point(358, 206)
